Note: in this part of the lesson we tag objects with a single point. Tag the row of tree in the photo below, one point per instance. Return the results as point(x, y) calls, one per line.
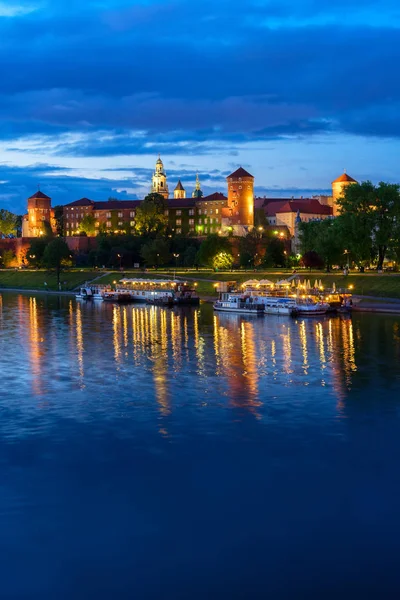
point(366, 231)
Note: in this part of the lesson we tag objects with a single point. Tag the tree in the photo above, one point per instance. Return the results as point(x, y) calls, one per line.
point(189, 256)
point(222, 261)
point(150, 216)
point(275, 253)
point(386, 217)
point(156, 252)
point(88, 225)
point(8, 223)
point(248, 246)
point(34, 254)
point(312, 260)
point(59, 219)
point(7, 258)
point(56, 255)
point(260, 218)
point(210, 247)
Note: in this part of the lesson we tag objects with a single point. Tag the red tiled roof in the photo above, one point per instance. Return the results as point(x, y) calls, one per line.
point(345, 178)
point(309, 206)
point(39, 194)
point(81, 202)
point(212, 197)
point(240, 172)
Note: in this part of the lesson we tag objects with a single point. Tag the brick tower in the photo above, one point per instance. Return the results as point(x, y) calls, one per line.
point(338, 188)
point(241, 198)
point(39, 212)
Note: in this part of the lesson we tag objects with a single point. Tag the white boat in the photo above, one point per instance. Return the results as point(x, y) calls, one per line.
point(275, 305)
point(309, 307)
point(92, 293)
point(160, 291)
point(236, 304)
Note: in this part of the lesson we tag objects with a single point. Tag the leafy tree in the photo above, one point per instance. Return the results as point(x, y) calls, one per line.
point(34, 254)
point(8, 223)
point(88, 225)
point(312, 260)
point(386, 212)
point(222, 261)
point(7, 257)
point(59, 219)
point(18, 224)
point(210, 247)
point(47, 230)
point(275, 253)
point(248, 246)
point(150, 216)
point(56, 255)
point(156, 252)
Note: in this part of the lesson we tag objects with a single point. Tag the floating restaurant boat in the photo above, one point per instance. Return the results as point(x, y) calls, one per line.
point(235, 304)
point(155, 291)
point(119, 296)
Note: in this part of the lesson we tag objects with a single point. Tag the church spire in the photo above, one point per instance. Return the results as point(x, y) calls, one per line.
point(159, 180)
point(197, 193)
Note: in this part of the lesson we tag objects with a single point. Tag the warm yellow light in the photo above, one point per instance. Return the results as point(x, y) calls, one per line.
point(351, 287)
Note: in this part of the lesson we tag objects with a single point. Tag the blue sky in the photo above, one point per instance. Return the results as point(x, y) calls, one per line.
point(293, 90)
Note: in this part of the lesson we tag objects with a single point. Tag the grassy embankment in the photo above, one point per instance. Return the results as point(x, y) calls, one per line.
point(371, 284)
point(34, 280)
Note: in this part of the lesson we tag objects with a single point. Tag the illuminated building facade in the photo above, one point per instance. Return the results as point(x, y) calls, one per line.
point(40, 216)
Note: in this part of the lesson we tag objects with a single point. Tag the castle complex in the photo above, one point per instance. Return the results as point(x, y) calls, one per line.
point(199, 215)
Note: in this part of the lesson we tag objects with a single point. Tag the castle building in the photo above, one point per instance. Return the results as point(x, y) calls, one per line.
point(179, 191)
point(159, 180)
point(40, 215)
point(338, 188)
point(241, 198)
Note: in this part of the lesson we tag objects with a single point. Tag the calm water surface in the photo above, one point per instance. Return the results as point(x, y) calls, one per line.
point(150, 453)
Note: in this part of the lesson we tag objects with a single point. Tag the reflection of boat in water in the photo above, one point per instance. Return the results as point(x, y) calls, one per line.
point(119, 296)
point(235, 304)
point(166, 300)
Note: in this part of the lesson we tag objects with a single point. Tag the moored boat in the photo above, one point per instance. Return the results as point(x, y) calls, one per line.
point(235, 304)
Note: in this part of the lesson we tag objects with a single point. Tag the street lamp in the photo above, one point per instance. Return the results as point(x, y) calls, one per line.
point(176, 256)
point(120, 261)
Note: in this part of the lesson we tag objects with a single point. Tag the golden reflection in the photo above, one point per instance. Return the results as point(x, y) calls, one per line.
point(350, 366)
point(176, 341)
point(236, 355)
point(79, 343)
point(125, 325)
point(35, 354)
point(116, 333)
point(287, 350)
point(303, 341)
point(320, 343)
point(199, 344)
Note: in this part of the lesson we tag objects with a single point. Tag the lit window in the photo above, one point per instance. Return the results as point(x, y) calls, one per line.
point(166, 213)
point(240, 187)
point(96, 215)
point(97, 224)
point(120, 215)
point(108, 216)
point(205, 221)
point(120, 223)
point(216, 211)
point(108, 224)
point(178, 231)
point(178, 213)
point(132, 223)
point(191, 212)
point(199, 221)
point(132, 213)
point(179, 221)
point(191, 221)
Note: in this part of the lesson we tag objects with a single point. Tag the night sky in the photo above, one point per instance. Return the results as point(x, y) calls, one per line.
point(293, 90)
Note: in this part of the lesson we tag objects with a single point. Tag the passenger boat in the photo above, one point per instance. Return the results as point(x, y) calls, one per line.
point(149, 290)
point(85, 293)
point(275, 305)
point(236, 304)
point(167, 301)
point(92, 292)
point(309, 307)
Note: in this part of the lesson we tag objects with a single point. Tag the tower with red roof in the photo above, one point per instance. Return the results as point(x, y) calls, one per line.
point(241, 198)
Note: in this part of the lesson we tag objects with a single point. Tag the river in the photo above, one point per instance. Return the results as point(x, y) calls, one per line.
point(157, 453)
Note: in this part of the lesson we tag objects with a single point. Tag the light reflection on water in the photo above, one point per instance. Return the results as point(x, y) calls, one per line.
point(175, 357)
point(137, 440)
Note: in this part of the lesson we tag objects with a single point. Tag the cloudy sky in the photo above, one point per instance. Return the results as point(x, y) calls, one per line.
point(293, 90)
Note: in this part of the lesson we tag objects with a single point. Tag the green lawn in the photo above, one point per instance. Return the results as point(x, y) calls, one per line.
point(371, 284)
point(34, 280)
